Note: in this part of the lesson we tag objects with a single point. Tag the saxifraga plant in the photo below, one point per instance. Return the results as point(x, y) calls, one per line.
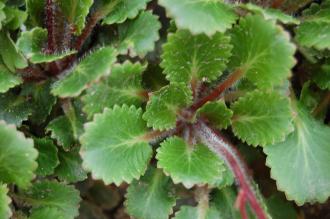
point(164, 100)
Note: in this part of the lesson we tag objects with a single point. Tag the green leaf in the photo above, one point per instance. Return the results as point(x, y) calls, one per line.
point(88, 70)
point(189, 164)
point(137, 37)
point(17, 161)
point(163, 106)
point(47, 158)
point(315, 30)
point(271, 14)
point(9, 53)
point(188, 57)
point(188, 212)
point(49, 213)
point(280, 208)
point(35, 10)
point(150, 197)
point(75, 11)
point(122, 86)
point(114, 147)
point(200, 16)
point(15, 18)
point(216, 113)
point(322, 78)
point(53, 195)
point(262, 118)
point(42, 101)
point(307, 150)
point(8, 79)
point(61, 130)
point(262, 50)
point(5, 211)
point(32, 43)
point(14, 109)
point(224, 201)
point(125, 9)
point(70, 169)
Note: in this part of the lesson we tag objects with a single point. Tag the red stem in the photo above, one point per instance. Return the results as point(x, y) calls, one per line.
point(221, 146)
point(50, 27)
point(230, 80)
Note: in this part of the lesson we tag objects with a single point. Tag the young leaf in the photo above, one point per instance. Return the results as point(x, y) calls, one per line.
point(32, 43)
point(14, 109)
point(114, 147)
point(14, 18)
point(5, 211)
point(46, 212)
point(42, 101)
point(189, 164)
point(70, 169)
point(262, 50)
point(8, 79)
point(125, 9)
point(61, 130)
point(216, 113)
point(9, 53)
point(307, 150)
point(322, 78)
point(188, 212)
point(150, 197)
point(35, 10)
point(18, 156)
point(47, 158)
point(201, 16)
point(138, 36)
point(271, 14)
point(262, 118)
point(53, 195)
point(88, 70)
point(224, 201)
point(188, 57)
point(315, 30)
point(75, 11)
point(122, 86)
point(163, 106)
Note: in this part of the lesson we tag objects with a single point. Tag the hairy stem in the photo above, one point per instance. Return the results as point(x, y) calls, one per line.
point(219, 145)
point(50, 27)
point(218, 90)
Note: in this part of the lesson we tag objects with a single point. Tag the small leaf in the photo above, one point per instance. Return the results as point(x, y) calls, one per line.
point(125, 9)
point(122, 86)
point(224, 201)
point(163, 106)
point(280, 208)
point(7, 79)
point(14, 109)
point(15, 18)
point(201, 16)
point(61, 130)
point(262, 118)
point(315, 30)
point(307, 150)
point(5, 211)
point(188, 212)
point(114, 147)
point(53, 195)
point(47, 158)
point(188, 57)
point(9, 53)
point(32, 43)
point(151, 196)
point(189, 164)
point(88, 70)
point(42, 101)
point(262, 50)
point(138, 36)
point(271, 14)
point(322, 78)
point(216, 113)
point(70, 169)
point(18, 156)
point(35, 10)
point(75, 11)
